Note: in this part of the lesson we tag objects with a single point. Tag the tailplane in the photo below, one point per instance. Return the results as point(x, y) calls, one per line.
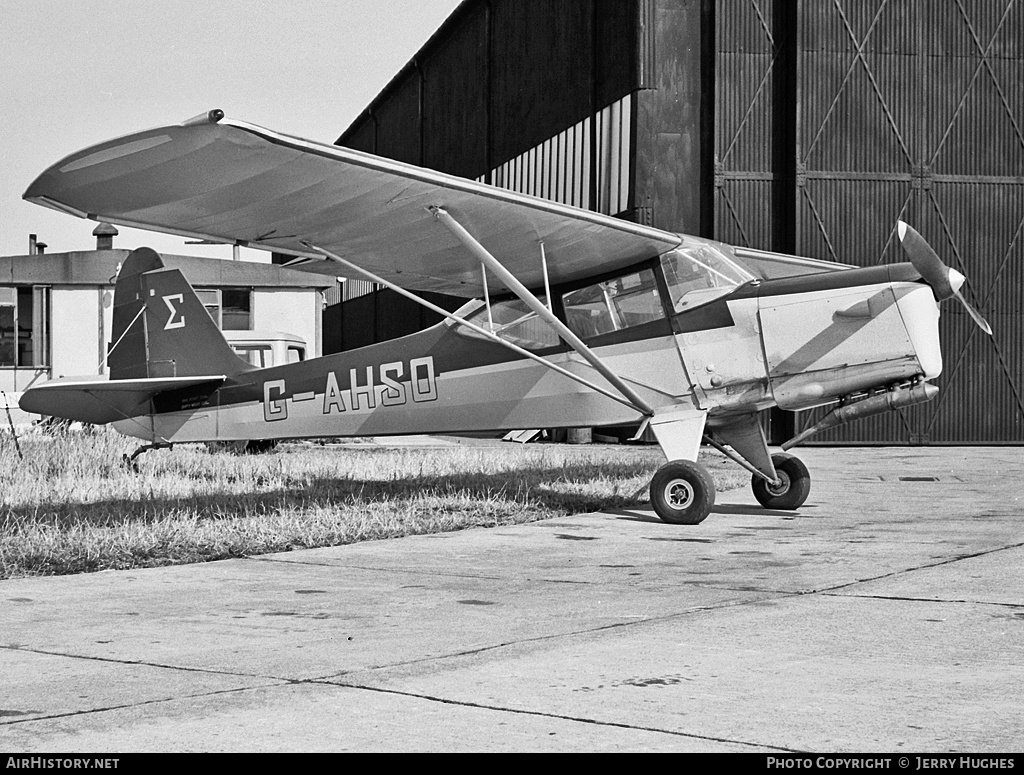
point(161, 329)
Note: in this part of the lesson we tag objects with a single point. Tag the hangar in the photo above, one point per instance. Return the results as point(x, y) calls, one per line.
point(806, 126)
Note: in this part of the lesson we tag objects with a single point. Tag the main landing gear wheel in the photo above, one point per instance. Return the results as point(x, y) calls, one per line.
point(682, 493)
point(793, 488)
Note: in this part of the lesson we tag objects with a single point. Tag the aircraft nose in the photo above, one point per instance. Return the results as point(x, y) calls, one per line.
point(945, 282)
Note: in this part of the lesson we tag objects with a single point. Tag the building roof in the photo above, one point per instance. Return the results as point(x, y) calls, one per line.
point(435, 40)
point(99, 267)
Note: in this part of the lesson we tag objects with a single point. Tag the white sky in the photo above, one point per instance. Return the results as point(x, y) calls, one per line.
point(74, 73)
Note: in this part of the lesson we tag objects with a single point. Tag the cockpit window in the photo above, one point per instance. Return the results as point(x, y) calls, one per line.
point(613, 305)
point(698, 272)
point(513, 321)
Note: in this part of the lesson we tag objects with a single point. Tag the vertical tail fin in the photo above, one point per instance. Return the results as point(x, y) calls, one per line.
point(161, 328)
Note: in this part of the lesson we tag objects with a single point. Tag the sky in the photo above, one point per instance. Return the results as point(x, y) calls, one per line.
point(76, 73)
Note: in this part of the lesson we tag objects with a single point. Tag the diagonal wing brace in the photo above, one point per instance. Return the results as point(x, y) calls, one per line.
point(545, 314)
point(488, 334)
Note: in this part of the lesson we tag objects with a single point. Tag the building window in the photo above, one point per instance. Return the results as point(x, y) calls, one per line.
point(230, 308)
point(8, 333)
point(235, 309)
point(24, 327)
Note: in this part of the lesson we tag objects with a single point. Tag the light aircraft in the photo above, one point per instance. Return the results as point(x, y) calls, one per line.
point(576, 319)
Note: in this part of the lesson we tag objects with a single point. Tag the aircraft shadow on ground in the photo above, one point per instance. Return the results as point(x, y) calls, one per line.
point(636, 515)
point(547, 488)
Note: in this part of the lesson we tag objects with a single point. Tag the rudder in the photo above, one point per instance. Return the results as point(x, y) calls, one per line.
point(161, 328)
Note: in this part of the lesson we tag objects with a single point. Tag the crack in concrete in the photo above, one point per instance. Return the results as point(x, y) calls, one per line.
point(926, 566)
point(373, 569)
point(562, 717)
point(930, 600)
point(138, 704)
point(282, 682)
point(140, 663)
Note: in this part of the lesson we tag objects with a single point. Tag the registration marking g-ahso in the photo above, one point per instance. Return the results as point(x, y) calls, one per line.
point(388, 391)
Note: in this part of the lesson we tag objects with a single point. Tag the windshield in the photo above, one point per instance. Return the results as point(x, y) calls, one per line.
point(698, 272)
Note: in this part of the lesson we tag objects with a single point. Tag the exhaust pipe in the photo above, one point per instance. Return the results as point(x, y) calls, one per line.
point(888, 401)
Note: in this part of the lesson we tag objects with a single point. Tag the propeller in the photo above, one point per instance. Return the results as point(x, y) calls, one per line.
point(945, 282)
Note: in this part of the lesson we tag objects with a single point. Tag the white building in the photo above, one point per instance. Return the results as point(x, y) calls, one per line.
point(56, 308)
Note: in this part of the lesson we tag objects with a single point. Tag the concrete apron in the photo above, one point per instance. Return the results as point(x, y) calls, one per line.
point(886, 615)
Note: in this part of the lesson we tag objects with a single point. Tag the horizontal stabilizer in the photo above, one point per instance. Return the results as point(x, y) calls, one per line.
point(101, 401)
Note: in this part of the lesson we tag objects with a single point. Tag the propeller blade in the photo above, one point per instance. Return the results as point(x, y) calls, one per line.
point(925, 261)
point(975, 315)
point(945, 282)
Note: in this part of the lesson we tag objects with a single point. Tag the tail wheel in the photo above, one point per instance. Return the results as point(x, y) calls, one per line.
point(793, 488)
point(682, 493)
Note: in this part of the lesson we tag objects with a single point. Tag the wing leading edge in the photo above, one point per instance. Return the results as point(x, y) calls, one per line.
point(230, 181)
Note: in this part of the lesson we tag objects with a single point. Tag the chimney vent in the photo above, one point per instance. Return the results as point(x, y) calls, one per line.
point(40, 248)
point(32, 244)
point(104, 234)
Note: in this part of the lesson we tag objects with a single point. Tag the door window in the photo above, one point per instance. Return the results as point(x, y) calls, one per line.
point(514, 322)
point(613, 305)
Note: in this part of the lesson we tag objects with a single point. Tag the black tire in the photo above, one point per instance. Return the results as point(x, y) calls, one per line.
point(792, 492)
point(682, 493)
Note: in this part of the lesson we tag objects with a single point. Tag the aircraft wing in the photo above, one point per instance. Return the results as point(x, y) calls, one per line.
point(102, 401)
point(229, 181)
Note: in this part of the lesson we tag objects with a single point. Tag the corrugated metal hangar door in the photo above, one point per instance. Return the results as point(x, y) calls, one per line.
point(746, 142)
point(907, 109)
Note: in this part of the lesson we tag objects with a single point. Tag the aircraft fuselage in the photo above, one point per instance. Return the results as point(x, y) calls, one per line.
point(794, 343)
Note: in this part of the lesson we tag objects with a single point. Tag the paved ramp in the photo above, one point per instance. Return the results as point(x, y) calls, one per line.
point(886, 615)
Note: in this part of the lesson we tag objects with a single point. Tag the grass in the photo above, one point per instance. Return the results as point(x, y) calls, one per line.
point(72, 506)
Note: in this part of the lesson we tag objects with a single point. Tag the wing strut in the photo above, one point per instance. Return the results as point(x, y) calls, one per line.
point(487, 298)
point(543, 312)
point(473, 326)
point(547, 281)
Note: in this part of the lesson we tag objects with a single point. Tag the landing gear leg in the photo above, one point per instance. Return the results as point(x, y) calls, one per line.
point(682, 493)
point(792, 489)
point(130, 461)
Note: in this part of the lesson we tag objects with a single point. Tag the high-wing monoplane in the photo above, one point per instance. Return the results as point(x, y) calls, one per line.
point(573, 318)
